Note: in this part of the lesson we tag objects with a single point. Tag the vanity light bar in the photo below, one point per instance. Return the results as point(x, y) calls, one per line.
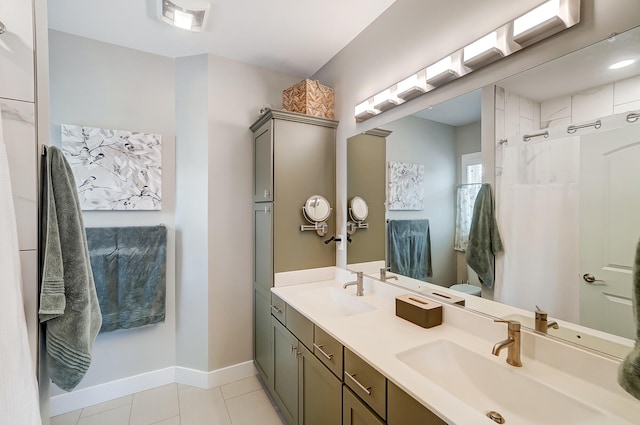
point(539, 23)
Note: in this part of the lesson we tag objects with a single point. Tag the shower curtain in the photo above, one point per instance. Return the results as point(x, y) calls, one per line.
point(538, 212)
point(18, 387)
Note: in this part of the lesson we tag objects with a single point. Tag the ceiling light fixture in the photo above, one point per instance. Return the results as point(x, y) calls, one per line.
point(190, 15)
point(622, 64)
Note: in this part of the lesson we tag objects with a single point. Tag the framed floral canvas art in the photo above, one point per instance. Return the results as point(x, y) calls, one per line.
point(114, 169)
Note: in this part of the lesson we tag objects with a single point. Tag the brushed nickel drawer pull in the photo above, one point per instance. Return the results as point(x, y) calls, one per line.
point(276, 309)
point(319, 348)
point(362, 387)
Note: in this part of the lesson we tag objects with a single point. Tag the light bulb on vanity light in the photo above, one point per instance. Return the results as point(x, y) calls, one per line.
point(365, 110)
point(412, 86)
point(441, 72)
point(482, 51)
point(386, 100)
point(544, 21)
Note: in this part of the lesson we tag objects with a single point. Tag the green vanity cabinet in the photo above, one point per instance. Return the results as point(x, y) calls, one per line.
point(320, 392)
point(285, 371)
point(294, 159)
point(402, 409)
point(305, 390)
point(355, 412)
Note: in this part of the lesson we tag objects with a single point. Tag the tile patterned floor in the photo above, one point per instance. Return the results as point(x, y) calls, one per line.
point(242, 402)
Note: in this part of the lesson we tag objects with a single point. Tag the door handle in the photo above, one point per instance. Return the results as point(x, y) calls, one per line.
point(591, 280)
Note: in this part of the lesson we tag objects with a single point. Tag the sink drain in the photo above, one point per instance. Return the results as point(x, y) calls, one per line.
point(496, 417)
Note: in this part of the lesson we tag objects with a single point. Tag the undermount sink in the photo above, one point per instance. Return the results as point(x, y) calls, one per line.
point(337, 302)
point(489, 386)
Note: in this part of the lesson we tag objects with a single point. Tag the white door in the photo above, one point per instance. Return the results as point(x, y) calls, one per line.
point(609, 227)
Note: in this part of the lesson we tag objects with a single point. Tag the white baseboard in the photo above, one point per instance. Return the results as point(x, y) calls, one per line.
point(215, 378)
point(82, 398)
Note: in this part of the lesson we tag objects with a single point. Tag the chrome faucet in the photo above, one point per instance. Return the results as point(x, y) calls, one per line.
point(542, 325)
point(359, 282)
point(512, 343)
point(383, 274)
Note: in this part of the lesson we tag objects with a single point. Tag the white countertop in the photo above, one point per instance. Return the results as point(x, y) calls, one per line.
point(377, 336)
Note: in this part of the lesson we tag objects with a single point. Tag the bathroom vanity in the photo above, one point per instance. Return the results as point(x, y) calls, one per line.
point(328, 342)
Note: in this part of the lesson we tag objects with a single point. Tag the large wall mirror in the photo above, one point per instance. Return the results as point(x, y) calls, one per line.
point(565, 199)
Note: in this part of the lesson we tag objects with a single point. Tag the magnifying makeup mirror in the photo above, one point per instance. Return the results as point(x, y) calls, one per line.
point(316, 211)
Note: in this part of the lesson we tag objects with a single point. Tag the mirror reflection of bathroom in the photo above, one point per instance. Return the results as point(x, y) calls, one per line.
point(417, 174)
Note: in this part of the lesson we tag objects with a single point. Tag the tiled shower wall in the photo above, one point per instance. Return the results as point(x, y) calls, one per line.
point(17, 111)
point(615, 98)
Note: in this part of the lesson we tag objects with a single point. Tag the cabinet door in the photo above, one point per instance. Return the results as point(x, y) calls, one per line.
point(263, 245)
point(285, 371)
point(355, 412)
point(320, 392)
point(263, 164)
point(16, 50)
point(262, 336)
point(403, 409)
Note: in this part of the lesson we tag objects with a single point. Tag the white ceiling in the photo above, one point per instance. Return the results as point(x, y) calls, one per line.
point(581, 70)
point(461, 110)
point(292, 36)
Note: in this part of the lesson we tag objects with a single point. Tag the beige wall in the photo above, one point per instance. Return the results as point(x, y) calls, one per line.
point(412, 34)
point(236, 91)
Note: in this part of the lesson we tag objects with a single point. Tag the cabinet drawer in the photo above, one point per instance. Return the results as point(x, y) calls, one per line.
point(369, 384)
point(328, 350)
point(299, 325)
point(403, 409)
point(278, 308)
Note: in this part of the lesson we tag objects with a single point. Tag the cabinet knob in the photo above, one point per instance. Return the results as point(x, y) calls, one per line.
point(3, 28)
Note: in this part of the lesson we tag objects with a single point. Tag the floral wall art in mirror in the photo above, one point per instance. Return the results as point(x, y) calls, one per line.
point(406, 182)
point(114, 169)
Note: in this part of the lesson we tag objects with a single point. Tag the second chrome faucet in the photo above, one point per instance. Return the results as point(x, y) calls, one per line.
point(512, 343)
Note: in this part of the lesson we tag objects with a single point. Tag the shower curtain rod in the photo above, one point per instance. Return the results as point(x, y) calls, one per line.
point(573, 128)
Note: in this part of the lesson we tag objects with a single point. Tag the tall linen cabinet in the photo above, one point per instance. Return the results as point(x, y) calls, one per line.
point(294, 158)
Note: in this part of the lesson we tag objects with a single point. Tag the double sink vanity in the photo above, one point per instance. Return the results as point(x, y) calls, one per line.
point(338, 355)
